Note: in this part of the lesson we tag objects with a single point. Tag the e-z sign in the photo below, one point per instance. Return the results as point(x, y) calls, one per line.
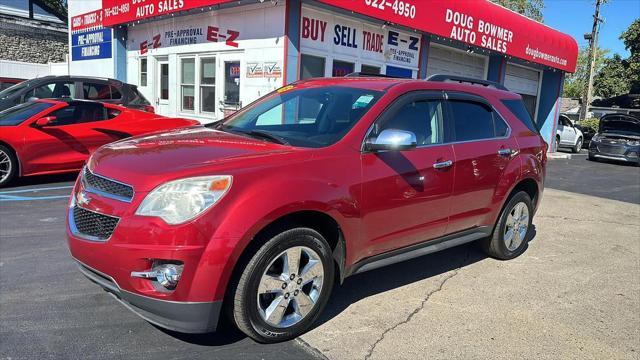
point(189, 36)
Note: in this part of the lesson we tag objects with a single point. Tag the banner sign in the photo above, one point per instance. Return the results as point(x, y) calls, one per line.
point(475, 22)
point(89, 20)
point(124, 11)
point(330, 33)
point(89, 45)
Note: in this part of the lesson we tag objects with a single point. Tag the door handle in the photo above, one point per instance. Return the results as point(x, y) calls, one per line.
point(442, 164)
point(506, 152)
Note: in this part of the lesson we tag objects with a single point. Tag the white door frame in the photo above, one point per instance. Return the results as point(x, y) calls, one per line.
point(157, 93)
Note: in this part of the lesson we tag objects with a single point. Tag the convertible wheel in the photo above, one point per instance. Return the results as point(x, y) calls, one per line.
point(284, 287)
point(511, 233)
point(8, 166)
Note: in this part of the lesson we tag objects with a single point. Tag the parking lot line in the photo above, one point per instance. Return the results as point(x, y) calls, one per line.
point(30, 198)
point(36, 189)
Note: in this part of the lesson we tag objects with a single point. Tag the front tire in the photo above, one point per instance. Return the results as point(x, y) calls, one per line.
point(577, 147)
point(284, 287)
point(511, 233)
point(8, 166)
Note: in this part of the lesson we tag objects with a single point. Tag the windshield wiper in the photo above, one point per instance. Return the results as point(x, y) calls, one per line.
point(265, 135)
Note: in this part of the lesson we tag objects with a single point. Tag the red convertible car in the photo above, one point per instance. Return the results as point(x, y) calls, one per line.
point(52, 136)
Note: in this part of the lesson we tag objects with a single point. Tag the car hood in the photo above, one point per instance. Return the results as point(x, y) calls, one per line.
point(147, 161)
point(626, 125)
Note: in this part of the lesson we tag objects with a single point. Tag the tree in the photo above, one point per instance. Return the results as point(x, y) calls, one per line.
point(576, 84)
point(613, 79)
point(55, 7)
point(631, 39)
point(529, 8)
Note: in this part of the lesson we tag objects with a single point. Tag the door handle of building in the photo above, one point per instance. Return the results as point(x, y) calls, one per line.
point(505, 152)
point(442, 164)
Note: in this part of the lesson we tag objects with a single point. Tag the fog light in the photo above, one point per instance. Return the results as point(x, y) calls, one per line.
point(166, 273)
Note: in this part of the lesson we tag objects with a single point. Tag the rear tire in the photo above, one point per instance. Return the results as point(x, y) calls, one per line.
point(284, 287)
point(513, 229)
point(8, 165)
point(577, 147)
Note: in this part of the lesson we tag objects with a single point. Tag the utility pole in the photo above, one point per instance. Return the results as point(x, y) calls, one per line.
point(593, 51)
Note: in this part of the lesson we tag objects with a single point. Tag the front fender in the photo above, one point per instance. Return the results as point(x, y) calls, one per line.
point(255, 208)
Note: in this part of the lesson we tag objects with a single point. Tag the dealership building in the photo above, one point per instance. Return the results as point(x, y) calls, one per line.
point(203, 59)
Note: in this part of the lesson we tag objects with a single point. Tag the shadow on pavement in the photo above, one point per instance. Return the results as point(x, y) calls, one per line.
point(42, 180)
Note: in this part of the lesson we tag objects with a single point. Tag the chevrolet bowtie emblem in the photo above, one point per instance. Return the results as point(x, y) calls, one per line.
point(82, 198)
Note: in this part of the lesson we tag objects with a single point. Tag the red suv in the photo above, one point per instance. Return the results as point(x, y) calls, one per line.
point(260, 214)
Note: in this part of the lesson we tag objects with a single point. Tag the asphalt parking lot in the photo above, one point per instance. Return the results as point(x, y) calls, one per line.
point(575, 293)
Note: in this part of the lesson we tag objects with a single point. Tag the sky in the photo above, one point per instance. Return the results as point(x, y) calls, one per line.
point(575, 17)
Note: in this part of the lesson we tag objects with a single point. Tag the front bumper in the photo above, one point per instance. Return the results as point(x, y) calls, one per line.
point(186, 317)
point(614, 151)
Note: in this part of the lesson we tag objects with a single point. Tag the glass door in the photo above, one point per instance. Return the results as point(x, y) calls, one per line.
point(162, 88)
point(229, 67)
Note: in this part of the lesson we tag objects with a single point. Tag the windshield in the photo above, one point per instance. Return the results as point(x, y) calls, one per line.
point(620, 125)
point(19, 113)
point(13, 89)
point(310, 117)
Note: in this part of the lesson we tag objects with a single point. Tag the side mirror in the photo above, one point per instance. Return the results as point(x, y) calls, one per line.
point(393, 140)
point(45, 121)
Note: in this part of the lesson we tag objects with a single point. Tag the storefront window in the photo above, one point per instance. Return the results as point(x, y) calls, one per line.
point(207, 84)
point(311, 66)
point(370, 69)
point(164, 81)
point(143, 72)
point(342, 68)
point(188, 81)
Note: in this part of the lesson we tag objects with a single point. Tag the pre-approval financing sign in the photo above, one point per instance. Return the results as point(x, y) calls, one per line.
point(89, 45)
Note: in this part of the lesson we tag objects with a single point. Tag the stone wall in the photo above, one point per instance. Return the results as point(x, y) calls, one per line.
point(32, 41)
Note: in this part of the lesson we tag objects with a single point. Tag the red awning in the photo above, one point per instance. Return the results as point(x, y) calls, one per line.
point(475, 22)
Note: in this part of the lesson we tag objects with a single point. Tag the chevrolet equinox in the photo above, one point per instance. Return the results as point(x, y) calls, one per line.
point(257, 216)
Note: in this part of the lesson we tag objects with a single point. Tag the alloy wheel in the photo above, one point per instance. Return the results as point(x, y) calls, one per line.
point(5, 166)
point(290, 287)
point(517, 225)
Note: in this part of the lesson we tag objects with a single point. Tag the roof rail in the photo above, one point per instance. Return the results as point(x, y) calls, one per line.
point(364, 74)
point(462, 79)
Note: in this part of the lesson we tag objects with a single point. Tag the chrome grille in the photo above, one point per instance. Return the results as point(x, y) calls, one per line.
point(611, 149)
point(106, 187)
point(92, 225)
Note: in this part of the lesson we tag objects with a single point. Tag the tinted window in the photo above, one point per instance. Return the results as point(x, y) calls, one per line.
point(54, 90)
point(137, 97)
point(520, 111)
point(311, 117)
point(93, 91)
point(79, 113)
point(423, 118)
point(501, 126)
point(115, 93)
point(18, 114)
point(14, 89)
point(472, 121)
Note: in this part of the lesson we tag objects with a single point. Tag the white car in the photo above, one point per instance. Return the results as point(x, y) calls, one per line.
point(567, 135)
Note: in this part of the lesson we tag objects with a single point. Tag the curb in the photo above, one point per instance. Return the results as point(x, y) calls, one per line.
point(557, 155)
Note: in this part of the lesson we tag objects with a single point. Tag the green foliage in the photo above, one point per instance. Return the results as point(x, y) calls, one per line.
point(529, 8)
point(631, 39)
point(576, 84)
point(590, 124)
point(613, 79)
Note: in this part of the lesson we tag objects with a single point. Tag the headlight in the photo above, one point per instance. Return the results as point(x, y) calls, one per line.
point(179, 201)
point(596, 137)
point(633, 142)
